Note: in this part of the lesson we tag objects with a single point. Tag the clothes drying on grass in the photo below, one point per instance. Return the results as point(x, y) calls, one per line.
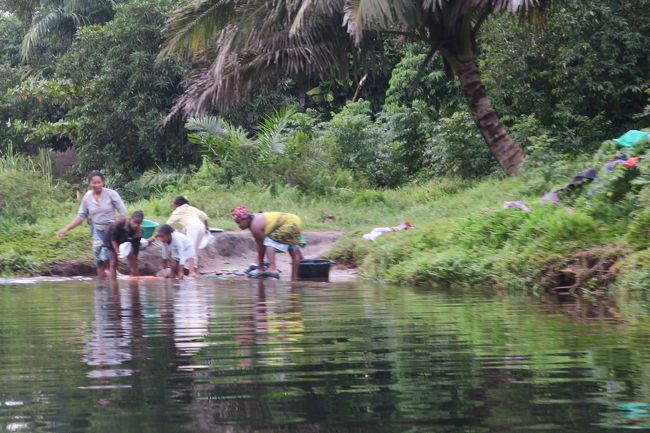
point(378, 231)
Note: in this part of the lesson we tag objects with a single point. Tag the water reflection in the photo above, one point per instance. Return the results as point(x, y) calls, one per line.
point(207, 356)
point(191, 316)
point(110, 343)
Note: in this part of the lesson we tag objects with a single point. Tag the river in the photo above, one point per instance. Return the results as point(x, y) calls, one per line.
point(219, 356)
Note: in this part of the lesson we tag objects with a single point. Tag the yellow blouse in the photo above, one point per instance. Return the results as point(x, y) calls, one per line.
point(274, 220)
point(187, 215)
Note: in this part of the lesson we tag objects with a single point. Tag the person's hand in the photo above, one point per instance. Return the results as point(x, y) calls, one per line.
point(61, 233)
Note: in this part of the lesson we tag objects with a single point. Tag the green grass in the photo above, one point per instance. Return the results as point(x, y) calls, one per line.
point(463, 238)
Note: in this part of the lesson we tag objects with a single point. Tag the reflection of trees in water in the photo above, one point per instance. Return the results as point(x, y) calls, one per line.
point(278, 359)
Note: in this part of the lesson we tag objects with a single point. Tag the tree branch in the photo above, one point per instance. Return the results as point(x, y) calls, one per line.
point(421, 69)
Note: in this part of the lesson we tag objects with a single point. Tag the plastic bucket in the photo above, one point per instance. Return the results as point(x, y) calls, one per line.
point(314, 270)
point(148, 227)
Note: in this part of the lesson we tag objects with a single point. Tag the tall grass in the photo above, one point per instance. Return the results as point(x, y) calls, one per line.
point(40, 163)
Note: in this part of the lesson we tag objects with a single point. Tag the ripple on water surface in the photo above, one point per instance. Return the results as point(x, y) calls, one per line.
point(218, 356)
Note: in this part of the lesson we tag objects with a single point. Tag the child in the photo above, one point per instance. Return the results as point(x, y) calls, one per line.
point(178, 252)
point(120, 231)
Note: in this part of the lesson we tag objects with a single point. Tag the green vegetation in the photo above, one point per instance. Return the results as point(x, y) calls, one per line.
point(382, 134)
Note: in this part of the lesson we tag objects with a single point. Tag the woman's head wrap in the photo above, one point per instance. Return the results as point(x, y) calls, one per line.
point(239, 213)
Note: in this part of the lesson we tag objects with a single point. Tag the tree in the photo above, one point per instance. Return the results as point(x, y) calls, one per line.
point(244, 42)
point(123, 94)
point(62, 18)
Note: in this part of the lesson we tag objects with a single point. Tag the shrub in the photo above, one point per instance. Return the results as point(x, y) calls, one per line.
point(25, 196)
point(457, 149)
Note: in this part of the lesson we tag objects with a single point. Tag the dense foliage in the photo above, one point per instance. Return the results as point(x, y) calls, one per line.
point(406, 147)
point(560, 88)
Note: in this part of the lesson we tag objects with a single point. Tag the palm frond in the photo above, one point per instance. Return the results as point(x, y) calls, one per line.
point(43, 25)
point(238, 44)
point(195, 26)
point(206, 125)
point(272, 126)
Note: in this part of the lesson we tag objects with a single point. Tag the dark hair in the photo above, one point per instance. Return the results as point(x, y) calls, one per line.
point(180, 201)
point(165, 229)
point(95, 173)
point(138, 213)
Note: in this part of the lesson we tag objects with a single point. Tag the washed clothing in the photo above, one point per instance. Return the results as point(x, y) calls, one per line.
point(104, 211)
point(282, 248)
point(179, 249)
point(284, 228)
point(193, 222)
point(120, 231)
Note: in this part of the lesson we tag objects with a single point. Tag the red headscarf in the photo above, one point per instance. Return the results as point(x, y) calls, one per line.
point(239, 213)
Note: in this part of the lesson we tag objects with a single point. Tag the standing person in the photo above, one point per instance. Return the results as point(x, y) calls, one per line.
point(178, 251)
point(121, 231)
point(272, 231)
point(193, 221)
point(99, 205)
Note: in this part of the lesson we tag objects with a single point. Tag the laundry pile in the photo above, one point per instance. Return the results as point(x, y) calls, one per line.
point(625, 153)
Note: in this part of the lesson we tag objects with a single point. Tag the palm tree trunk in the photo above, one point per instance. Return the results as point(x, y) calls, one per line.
point(507, 151)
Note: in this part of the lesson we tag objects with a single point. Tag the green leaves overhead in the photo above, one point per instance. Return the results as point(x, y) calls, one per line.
point(239, 44)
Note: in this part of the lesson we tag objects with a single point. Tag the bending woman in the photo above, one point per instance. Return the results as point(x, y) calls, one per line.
point(99, 205)
point(120, 231)
point(273, 231)
point(193, 221)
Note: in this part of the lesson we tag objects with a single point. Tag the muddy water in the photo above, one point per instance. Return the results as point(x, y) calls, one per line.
point(215, 356)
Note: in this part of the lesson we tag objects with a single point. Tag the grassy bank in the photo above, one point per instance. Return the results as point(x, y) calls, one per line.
point(595, 242)
point(597, 239)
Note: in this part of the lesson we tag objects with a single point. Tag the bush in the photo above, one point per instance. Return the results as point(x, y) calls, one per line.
point(25, 197)
point(457, 149)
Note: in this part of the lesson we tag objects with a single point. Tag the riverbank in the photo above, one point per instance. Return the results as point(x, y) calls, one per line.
point(594, 242)
point(231, 253)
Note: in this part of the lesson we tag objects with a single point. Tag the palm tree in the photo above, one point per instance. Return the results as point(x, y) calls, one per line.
point(63, 18)
point(241, 43)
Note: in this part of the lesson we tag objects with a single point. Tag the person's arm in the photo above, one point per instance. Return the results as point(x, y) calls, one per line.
point(173, 218)
point(118, 204)
point(82, 214)
point(204, 218)
point(74, 223)
point(257, 231)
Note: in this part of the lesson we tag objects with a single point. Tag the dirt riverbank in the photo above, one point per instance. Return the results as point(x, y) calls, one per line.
point(232, 252)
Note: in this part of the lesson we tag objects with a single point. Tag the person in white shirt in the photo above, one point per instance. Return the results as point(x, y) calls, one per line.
point(193, 222)
point(178, 252)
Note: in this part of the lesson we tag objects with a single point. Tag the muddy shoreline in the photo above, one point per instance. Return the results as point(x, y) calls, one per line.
point(232, 252)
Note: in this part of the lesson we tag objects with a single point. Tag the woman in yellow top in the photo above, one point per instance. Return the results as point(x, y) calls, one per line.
point(192, 221)
point(272, 231)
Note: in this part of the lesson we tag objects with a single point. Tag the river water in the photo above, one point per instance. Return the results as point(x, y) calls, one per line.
point(219, 356)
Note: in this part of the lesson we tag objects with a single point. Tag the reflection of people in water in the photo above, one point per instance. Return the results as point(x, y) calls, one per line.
point(191, 315)
point(109, 344)
point(272, 327)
